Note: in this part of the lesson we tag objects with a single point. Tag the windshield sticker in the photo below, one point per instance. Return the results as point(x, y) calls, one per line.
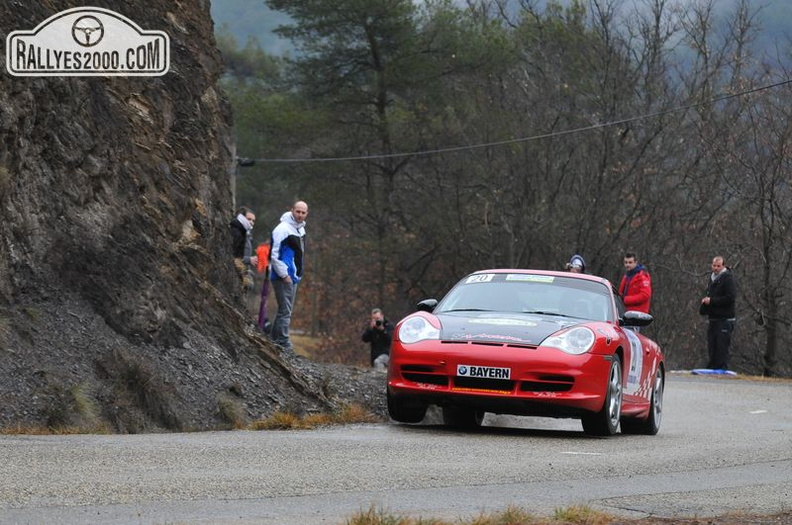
point(482, 278)
point(502, 321)
point(530, 278)
point(497, 338)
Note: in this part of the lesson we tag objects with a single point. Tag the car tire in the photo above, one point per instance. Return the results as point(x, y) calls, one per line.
point(462, 418)
point(405, 409)
point(651, 425)
point(606, 421)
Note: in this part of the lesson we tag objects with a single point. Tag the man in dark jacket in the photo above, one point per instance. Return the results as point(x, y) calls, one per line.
point(718, 306)
point(242, 246)
point(379, 333)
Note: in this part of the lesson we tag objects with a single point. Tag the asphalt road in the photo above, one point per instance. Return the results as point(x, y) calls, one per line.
point(725, 446)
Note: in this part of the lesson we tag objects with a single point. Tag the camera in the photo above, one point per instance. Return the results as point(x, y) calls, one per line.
point(378, 322)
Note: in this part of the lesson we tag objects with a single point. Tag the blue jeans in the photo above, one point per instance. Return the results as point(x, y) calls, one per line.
point(285, 294)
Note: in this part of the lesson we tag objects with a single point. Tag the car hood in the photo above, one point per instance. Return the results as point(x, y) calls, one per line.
point(501, 327)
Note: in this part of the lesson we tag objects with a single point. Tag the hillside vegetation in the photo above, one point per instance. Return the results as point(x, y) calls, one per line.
point(432, 139)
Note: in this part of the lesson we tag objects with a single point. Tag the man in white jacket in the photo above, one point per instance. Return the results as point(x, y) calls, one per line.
point(287, 258)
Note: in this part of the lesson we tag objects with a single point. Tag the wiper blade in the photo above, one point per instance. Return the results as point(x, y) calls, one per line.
point(554, 314)
point(465, 310)
point(541, 312)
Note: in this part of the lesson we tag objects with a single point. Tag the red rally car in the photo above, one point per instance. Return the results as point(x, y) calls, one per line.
point(528, 342)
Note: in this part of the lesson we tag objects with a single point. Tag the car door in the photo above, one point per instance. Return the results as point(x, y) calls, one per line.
point(635, 360)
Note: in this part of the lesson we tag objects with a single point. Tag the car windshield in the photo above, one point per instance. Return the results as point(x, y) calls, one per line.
point(530, 293)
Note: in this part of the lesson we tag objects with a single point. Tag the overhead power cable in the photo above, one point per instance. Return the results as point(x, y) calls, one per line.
point(523, 139)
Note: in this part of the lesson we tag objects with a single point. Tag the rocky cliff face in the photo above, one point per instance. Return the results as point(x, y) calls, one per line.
point(119, 305)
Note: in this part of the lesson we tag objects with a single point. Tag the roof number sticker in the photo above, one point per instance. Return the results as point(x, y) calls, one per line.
point(481, 278)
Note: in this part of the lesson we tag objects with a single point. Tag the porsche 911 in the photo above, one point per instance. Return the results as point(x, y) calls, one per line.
point(528, 343)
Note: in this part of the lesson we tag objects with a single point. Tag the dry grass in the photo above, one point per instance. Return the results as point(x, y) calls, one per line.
point(582, 515)
point(287, 420)
point(575, 515)
point(305, 345)
point(41, 430)
point(232, 411)
point(68, 410)
point(510, 516)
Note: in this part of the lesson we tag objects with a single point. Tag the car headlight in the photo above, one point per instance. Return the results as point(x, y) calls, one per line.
point(575, 341)
point(417, 329)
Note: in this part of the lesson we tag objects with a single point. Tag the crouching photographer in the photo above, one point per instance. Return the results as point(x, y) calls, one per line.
point(379, 334)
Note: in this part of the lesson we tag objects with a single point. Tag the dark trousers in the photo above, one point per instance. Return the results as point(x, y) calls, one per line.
point(719, 335)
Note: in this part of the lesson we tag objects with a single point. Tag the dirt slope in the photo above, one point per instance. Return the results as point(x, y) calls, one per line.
point(119, 305)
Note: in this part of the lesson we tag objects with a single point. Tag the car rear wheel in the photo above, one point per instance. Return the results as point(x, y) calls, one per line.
point(466, 418)
point(651, 425)
point(606, 421)
point(405, 409)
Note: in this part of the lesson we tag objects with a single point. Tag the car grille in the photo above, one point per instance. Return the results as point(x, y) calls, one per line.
point(541, 383)
point(499, 385)
point(426, 378)
point(548, 383)
point(424, 374)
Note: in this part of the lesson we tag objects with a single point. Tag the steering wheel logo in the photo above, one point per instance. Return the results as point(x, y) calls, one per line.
point(87, 31)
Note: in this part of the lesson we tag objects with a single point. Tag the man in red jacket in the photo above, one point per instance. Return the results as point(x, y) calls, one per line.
point(635, 288)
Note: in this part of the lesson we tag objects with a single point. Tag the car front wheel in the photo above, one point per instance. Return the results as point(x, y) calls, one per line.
point(405, 409)
point(651, 425)
point(606, 421)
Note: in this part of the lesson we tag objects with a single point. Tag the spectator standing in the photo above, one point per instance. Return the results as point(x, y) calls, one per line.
point(262, 252)
point(718, 306)
point(242, 246)
point(576, 264)
point(379, 334)
point(287, 261)
point(635, 288)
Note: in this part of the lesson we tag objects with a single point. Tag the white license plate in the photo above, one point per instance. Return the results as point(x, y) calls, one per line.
point(484, 372)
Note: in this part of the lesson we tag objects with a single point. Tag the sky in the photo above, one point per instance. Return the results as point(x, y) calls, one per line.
point(252, 18)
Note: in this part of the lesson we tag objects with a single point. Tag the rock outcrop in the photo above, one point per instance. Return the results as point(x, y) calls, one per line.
point(119, 304)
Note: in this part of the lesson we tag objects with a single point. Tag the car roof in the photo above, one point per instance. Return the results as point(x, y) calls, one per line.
point(583, 276)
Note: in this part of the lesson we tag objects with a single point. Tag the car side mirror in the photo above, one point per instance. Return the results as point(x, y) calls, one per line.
point(427, 305)
point(635, 318)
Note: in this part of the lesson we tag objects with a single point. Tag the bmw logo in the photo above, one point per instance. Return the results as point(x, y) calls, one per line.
point(462, 370)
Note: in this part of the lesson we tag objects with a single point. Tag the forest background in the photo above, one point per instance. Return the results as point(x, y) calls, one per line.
point(431, 139)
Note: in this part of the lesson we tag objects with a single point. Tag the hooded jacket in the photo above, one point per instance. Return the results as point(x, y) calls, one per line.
point(635, 289)
point(287, 250)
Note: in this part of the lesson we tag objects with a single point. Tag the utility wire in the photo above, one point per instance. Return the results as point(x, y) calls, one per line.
point(521, 139)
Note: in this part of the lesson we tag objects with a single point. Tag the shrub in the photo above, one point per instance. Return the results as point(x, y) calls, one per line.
point(231, 410)
point(138, 393)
